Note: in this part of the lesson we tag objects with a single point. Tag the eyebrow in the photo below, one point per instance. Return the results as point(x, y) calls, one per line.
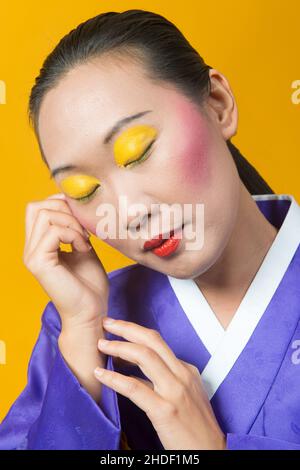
point(109, 135)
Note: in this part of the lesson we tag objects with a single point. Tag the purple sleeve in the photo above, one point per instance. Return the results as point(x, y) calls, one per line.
point(54, 411)
point(253, 442)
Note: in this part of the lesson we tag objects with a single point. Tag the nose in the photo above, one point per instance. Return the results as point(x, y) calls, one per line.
point(134, 207)
point(135, 223)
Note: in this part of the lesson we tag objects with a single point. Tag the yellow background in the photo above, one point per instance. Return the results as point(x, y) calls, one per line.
point(254, 43)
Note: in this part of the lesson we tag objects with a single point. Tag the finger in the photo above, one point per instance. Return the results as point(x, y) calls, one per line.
point(121, 363)
point(32, 210)
point(149, 337)
point(150, 363)
point(57, 196)
point(144, 381)
point(47, 217)
point(49, 243)
point(191, 367)
point(139, 393)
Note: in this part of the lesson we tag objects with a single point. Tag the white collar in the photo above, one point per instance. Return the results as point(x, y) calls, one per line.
point(225, 346)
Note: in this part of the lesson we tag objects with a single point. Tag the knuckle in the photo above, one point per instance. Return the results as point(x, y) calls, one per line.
point(29, 206)
point(148, 353)
point(168, 410)
point(32, 265)
point(188, 379)
point(132, 386)
point(194, 370)
point(27, 258)
point(63, 207)
point(155, 334)
point(189, 369)
point(43, 213)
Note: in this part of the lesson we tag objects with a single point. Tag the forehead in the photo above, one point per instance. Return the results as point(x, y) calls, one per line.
point(92, 97)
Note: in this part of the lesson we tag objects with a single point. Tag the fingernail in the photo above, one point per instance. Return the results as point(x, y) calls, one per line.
point(98, 371)
point(108, 320)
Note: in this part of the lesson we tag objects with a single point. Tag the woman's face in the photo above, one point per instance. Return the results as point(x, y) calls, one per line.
point(172, 153)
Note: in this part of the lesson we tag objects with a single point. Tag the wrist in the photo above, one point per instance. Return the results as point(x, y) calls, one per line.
point(81, 339)
point(223, 443)
point(79, 348)
point(85, 329)
point(220, 443)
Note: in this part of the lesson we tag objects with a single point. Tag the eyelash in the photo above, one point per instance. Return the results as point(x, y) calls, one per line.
point(137, 161)
point(142, 157)
point(88, 196)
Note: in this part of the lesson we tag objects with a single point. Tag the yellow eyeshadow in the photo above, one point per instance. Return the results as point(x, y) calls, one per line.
point(130, 145)
point(79, 185)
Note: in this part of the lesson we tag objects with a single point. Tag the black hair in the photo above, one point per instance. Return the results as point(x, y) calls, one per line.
point(151, 40)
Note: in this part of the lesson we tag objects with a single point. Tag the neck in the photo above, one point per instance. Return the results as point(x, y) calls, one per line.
point(226, 282)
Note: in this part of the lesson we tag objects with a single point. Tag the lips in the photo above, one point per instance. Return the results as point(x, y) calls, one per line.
point(162, 246)
point(157, 241)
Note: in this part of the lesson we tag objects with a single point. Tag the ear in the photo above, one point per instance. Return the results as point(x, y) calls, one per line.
point(221, 105)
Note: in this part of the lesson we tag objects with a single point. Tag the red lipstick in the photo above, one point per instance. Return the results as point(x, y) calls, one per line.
point(162, 246)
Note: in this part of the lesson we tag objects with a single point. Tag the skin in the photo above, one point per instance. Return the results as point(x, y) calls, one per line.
point(183, 418)
point(190, 163)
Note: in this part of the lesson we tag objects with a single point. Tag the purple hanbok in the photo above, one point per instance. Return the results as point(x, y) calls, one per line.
point(251, 370)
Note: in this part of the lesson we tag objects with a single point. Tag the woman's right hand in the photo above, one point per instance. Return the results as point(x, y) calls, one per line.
point(75, 281)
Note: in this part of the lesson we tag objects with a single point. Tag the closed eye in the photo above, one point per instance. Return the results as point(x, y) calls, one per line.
point(143, 157)
point(88, 196)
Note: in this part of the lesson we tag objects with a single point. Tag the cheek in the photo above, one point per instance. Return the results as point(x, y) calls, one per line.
point(89, 222)
point(89, 225)
point(86, 220)
point(192, 147)
point(193, 164)
point(194, 160)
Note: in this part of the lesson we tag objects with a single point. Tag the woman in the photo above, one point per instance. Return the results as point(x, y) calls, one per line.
point(203, 347)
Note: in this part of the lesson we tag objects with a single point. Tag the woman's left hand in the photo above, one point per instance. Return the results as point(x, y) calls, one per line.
point(174, 399)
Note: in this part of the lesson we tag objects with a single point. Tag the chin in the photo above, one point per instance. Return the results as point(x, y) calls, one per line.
point(195, 263)
point(188, 265)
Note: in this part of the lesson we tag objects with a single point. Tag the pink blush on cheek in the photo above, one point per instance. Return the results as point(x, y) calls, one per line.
point(193, 147)
point(194, 165)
